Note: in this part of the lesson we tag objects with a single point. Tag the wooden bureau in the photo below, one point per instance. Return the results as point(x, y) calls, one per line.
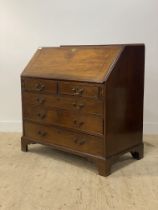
point(86, 100)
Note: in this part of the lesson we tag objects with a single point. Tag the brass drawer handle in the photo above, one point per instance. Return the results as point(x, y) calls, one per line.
point(77, 123)
point(77, 91)
point(39, 87)
point(40, 100)
point(79, 142)
point(42, 133)
point(82, 142)
point(41, 115)
point(78, 106)
point(74, 104)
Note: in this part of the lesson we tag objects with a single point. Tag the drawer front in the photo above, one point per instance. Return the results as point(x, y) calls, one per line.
point(39, 85)
point(82, 105)
point(86, 122)
point(80, 89)
point(52, 135)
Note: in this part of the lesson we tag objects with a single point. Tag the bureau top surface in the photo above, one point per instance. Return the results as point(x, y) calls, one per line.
point(91, 64)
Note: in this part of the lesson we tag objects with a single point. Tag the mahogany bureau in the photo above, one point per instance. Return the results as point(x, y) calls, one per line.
point(85, 100)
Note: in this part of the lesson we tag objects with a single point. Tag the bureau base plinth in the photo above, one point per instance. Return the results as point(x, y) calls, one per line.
point(24, 145)
point(103, 164)
point(138, 152)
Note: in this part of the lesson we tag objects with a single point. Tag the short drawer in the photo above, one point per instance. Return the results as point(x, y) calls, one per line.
point(39, 85)
point(56, 136)
point(82, 105)
point(84, 122)
point(80, 89)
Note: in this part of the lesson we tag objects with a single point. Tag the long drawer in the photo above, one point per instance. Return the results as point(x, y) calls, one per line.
point(82, 105)
point(86, 122)
point(75, 141)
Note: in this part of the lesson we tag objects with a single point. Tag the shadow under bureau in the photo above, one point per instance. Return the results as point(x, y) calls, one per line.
point(86, 100)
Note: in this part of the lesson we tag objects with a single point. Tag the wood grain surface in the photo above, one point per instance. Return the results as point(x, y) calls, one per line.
point(115, 82)
point(81, 64)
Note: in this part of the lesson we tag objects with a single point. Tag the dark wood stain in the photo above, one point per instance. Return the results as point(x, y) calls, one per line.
point(86, 100)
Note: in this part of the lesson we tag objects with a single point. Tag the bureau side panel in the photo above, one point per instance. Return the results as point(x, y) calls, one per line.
point(124, 101)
